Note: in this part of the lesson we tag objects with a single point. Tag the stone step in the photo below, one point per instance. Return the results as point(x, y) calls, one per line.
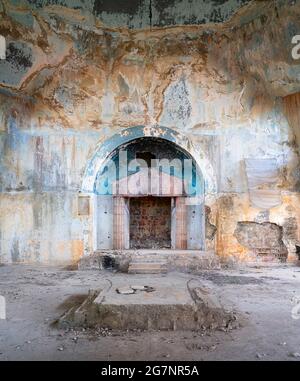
point(143, 259)
point(147, 271)
point(152, 264)
point(147, 268)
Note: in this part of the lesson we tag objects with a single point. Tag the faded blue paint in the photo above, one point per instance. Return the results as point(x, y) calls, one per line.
point(15, 136)
point(24, 18)
point(112, 171)
point(98, 161)
point(123, 137)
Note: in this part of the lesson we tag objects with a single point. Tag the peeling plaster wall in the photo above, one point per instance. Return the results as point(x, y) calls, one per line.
point(77, 73)
point(137, 14)
point(291, 107)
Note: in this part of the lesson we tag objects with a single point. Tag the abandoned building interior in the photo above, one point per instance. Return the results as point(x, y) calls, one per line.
point(153, 143)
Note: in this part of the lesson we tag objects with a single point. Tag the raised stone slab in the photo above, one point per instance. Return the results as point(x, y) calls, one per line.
point(172, 304)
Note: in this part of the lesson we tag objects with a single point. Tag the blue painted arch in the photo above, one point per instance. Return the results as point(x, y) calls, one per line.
point(106, 147)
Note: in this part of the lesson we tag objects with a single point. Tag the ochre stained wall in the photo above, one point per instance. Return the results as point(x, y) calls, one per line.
point(291, 107)
point(75, 75)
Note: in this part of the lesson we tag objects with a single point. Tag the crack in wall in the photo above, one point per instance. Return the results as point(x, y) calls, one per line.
point(150, 13)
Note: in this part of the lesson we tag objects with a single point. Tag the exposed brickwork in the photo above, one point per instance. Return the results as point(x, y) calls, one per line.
point(150, 222)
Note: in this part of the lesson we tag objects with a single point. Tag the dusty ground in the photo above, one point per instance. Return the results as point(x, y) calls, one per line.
point(37, 295)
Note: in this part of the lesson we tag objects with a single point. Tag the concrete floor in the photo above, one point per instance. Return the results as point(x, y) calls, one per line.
point(37, 295)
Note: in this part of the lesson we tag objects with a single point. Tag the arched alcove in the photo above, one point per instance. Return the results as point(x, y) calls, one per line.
point(147, 216)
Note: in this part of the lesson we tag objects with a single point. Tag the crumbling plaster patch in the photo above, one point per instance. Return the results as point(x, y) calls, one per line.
point(263, 239)
point(230, 209)
point(210, 229)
